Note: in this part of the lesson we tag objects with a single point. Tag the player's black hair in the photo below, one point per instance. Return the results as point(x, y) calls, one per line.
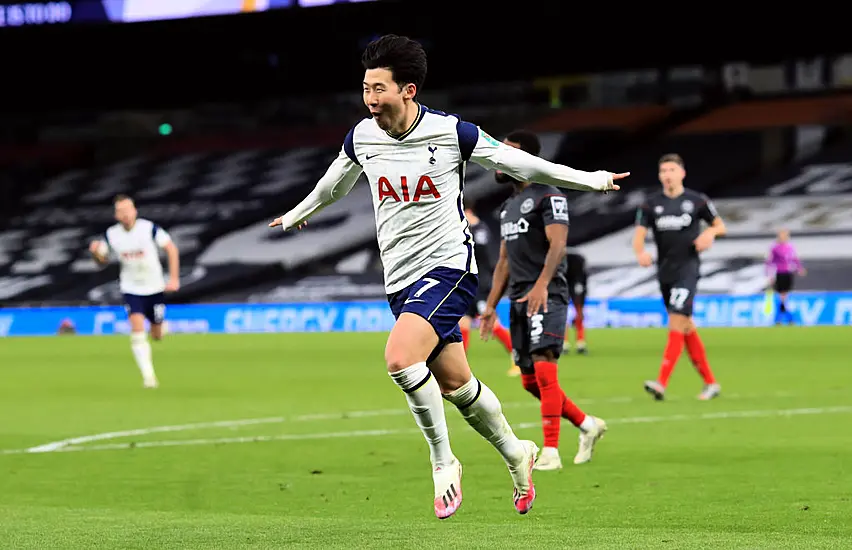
point(121, 197)
point(469, 203)
point(671, 157)
point(528, 141)
point(402, 56)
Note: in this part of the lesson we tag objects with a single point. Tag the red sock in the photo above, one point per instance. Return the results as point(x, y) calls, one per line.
point(551, 401)
point(695, 348)
point(578, 325)
point(465, 337)
point(570, 411)
point(502, 334)
point(674, 348)
point(530, 384)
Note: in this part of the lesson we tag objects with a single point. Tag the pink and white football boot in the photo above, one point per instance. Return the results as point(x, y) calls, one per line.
point(524, 491)
point(448, 490)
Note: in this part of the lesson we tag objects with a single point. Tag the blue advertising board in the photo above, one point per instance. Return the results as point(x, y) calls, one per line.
point(822, 308)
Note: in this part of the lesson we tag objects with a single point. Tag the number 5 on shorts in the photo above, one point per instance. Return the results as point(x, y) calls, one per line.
point(678, 297)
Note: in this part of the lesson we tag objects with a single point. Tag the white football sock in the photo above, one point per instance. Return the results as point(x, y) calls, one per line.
point(424, 399)
point(481, 409)
point(142, 352)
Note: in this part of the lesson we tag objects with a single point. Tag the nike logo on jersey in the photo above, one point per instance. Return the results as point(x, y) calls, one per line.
point(368, 157)
point(412, 300)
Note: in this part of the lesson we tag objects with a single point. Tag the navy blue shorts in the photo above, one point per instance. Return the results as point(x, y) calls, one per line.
point(442, 297)
point(153, 307)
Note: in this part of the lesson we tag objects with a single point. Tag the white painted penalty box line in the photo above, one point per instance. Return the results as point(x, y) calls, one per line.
point(57, 445)
point(719, 415)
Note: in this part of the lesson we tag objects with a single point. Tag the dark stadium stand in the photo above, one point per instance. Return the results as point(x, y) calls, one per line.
point(217, 194)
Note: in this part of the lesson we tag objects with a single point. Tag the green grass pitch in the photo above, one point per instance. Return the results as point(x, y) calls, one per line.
point(303, 441)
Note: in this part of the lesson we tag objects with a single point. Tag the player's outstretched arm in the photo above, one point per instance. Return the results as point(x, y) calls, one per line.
point(493, 155)
point(333, 186)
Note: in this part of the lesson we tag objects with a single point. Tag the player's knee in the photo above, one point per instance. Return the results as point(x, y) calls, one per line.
point(451, 381)
point(137, 322)
point(544, 356)
point(411, 341)
point(679, 322)
point(397, 360)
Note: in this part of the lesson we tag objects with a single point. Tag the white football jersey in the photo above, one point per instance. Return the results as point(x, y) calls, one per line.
point(417, 183)
point(138, 252)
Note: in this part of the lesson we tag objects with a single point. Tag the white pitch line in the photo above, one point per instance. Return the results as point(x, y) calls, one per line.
point(719, 415)
point(57, 445)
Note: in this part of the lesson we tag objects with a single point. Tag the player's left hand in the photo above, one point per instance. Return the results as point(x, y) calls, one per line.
point(704, 241)
point(613, 177)
point(173, 285)
point(536, 300)
point(280, 221)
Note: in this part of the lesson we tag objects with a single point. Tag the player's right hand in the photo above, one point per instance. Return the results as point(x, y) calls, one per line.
point(95, 248)
point(645, 259)
point(487, 322)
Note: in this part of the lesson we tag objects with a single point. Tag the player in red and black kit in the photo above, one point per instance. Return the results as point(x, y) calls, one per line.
point(533, 232)
point(485, 263)
point(675, 216)
point(578, 281)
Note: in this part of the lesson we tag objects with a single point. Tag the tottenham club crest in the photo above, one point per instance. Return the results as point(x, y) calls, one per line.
point(432, 149)
point(527, 206)
point(658, 209)
point(687, 206)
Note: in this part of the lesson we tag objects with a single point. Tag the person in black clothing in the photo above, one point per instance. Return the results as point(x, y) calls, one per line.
point(532, 265)
point(675, 216)
point(578, 281)
point(484, 261)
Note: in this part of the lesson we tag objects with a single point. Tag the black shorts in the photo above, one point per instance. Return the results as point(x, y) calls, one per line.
point(577, 279)
point(477, 306)
point(542, 331)
point(679, 296)
point(577, 288)
point(783, 282)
